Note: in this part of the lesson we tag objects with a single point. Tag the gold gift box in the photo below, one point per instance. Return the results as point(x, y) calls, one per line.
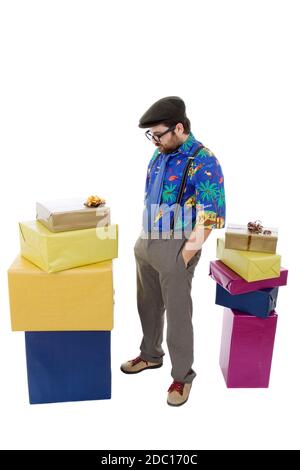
point(71, 214)
point(76, 299)
point(238, 237)
point(64, 250)
point(250, 265)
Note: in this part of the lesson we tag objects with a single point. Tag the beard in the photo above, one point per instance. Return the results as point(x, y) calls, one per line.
point(170, 147)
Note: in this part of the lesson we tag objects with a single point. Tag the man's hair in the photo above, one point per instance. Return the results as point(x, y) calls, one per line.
point(185, 122)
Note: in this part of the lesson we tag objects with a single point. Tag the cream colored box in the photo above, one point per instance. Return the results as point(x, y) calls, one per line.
point(71, 214)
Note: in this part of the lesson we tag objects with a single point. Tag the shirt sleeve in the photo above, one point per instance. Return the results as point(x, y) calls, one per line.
point(209, 193)
point(149, 171)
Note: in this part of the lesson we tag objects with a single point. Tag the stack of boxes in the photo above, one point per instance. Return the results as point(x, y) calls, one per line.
point(61, 295)
point(248, 275)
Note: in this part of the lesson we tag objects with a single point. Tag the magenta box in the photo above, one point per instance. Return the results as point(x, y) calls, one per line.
point(235, 284)
point(247, 349)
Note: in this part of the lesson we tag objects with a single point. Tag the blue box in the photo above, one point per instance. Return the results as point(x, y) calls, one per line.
point(259, 303)
point(68, 366)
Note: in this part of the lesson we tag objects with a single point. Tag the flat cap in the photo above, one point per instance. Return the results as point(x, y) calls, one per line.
point(170, 107)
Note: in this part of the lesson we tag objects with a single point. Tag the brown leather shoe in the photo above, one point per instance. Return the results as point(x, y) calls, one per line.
point(134, 366)
point(178, 393)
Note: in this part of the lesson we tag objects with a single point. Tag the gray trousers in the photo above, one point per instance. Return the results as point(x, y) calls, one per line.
point(164, 283)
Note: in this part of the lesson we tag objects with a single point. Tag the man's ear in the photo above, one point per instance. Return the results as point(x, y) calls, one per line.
point(180, 128)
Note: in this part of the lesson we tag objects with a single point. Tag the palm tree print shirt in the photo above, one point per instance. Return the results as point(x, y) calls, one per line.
point(204, 195)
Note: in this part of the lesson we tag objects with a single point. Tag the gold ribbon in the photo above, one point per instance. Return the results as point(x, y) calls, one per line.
point(256, 228)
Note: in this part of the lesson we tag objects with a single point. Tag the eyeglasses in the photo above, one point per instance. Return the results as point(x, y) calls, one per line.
point(156, 137)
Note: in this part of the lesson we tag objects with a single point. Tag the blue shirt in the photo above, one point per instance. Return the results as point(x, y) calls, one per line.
point(204, 195)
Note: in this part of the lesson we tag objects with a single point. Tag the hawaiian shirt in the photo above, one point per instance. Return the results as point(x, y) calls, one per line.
point(204, 193)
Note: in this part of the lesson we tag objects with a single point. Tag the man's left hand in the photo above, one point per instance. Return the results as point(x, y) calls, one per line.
point(194, 243)
point(187, 255)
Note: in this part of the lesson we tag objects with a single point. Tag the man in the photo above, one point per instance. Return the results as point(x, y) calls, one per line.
point(184, 202)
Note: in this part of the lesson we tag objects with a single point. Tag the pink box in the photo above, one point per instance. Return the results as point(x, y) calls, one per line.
point(247, 349)
point(235, 284)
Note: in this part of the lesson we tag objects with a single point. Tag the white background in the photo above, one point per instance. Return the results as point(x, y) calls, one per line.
point(75, 78)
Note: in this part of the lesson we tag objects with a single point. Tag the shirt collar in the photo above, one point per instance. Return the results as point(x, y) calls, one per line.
point(185, 147)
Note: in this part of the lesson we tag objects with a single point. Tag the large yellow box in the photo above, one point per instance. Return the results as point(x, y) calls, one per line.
point(54, 252)
point(75, 299)
point(250, 265)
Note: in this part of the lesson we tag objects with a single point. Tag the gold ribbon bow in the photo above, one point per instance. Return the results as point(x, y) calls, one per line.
point(256, 227)
point(94, 201)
